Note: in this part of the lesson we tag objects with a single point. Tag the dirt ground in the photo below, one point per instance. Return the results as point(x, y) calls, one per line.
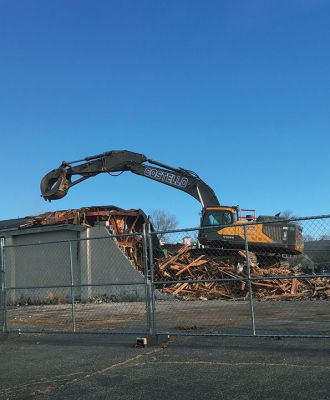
point(196, 317)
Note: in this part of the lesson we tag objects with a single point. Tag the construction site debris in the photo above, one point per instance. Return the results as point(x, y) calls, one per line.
point(125, 224)
point(119, 221)
point(185, 265)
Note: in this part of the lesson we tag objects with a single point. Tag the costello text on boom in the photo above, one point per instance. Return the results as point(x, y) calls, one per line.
point(166, 177)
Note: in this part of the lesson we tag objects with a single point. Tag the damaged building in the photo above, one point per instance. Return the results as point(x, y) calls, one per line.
point(55, 250)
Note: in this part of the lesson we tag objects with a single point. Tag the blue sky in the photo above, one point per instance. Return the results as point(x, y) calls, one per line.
point(238, 91)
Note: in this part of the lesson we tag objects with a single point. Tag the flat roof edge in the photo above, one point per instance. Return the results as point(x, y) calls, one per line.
point(39, 229)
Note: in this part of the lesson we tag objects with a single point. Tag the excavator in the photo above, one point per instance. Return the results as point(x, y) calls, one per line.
point(221, 227)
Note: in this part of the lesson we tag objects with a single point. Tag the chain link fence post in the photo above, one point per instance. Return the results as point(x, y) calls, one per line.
point(151, 281)
point(3, 313)
point(146, 274)
point(73, 311)
point(253, 327)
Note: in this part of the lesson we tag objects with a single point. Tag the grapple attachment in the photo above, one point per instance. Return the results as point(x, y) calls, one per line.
point(55, 184)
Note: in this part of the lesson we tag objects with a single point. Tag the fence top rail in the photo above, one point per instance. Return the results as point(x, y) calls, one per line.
point(247, 223)
point(110, 236)
point(242, 279)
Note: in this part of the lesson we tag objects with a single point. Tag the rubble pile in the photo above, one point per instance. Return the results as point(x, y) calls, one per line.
point(185, 265)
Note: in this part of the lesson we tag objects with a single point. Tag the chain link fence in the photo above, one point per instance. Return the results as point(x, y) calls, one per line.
point(256, 278)
point(246, 283)
point(73, 286)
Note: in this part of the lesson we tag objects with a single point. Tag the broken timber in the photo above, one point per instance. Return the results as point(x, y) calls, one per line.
point(185, 266)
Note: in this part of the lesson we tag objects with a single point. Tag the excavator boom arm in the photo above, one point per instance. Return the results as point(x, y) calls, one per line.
point(57, 182)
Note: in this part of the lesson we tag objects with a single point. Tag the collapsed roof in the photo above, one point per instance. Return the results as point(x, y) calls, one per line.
point(120, 221)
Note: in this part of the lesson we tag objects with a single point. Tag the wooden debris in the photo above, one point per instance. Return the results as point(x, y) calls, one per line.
point(194, 263)
point(184, 265)
point(184, 249)
point(294, 286)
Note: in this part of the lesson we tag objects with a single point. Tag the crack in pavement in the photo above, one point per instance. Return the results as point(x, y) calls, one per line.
point(65, 380)
point(42, 381)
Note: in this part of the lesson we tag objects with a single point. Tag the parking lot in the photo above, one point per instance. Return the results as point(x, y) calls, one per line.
point(109, 366)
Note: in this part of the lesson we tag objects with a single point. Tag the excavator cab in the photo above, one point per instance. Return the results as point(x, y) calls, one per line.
point(264, 234)
point(219, 216)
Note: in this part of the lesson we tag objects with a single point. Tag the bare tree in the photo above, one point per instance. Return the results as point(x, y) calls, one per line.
point(287, 214)
point(163, 221)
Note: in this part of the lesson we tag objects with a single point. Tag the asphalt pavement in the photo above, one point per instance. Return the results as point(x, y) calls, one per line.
point(110, 367)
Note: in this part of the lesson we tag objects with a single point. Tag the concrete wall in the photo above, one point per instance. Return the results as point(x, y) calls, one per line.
point(102, 262)
point(31, 262)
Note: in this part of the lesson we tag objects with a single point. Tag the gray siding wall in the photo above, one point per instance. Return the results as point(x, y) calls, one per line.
point(31, 262)
point(102, 262)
